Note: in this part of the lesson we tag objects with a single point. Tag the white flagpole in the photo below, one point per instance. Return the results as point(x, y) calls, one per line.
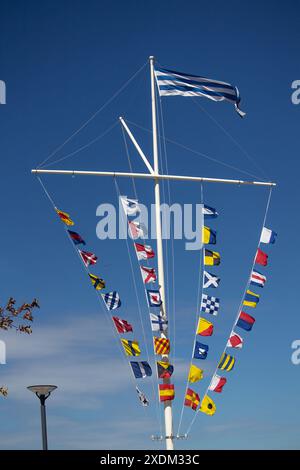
point(160, 257)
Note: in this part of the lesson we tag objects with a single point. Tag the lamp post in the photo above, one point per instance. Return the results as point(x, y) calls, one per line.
point(43, 392)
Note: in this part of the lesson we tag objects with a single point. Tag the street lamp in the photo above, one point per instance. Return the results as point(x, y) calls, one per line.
point(43, 392)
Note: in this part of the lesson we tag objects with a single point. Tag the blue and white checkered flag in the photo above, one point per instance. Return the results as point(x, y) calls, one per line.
point(210, 304)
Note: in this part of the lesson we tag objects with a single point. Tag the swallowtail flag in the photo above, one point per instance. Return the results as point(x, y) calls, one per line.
point(122, 325)
point(143, 251)
point(88, 258)
point(142, 397)
point(130, 206)
point(137, 230)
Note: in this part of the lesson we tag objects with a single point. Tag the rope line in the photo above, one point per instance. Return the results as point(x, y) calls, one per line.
point(83, 147)
point(98, 111)
point(173, 301)
point(196, 152)
point(108, 317)
point(148, 265)
point(240, 305)
point(139, 306)
point(238, 145)
point(197, 317)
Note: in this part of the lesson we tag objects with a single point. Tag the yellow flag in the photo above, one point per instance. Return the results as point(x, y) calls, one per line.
point(208, 236)
point(208, 406)
point(64, 217)
point(131, 348)
point(195, 374)
point(211, 258)
point(205, 327)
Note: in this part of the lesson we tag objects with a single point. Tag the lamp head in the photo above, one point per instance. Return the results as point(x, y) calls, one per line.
point(42, 390)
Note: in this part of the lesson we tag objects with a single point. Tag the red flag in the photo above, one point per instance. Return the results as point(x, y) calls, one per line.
point(149, 274)
point(144, 251)
point(88, 258)
point(166, 392)
point(235, 341)
point(217, 383)
point(261, 257)
point(136, 230)
point(122, 325)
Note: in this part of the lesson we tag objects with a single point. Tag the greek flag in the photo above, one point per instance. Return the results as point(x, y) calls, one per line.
point(172, 83)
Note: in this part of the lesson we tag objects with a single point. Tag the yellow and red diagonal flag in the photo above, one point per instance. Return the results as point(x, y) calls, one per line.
point(161, 345)
point(64, 217)
point(192, 399)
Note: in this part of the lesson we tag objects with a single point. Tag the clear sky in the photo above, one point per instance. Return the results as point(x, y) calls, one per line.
point(61, 61)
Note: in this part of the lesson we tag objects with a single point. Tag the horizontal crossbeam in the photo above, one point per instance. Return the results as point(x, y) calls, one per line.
point(153, 176)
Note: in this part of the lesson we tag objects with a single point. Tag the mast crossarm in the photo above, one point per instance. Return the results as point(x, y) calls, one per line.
point(119, 174)
point(137, 146)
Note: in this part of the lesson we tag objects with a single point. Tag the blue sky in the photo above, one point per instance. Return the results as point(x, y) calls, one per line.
point(61, 61)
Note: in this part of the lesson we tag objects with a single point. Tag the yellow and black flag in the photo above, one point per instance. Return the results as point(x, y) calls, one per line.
point(97, 282)
point(208, 406)
point(131, 348)
point(211, 258)
point(209, 236)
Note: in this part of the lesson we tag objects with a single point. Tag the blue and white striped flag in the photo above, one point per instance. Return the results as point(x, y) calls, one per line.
point(112, 300)
point(172, 83)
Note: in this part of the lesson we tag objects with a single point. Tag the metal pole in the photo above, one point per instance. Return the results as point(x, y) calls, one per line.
point(160, 258)
point(138, 148)
point(154, 176)
point(43, 420)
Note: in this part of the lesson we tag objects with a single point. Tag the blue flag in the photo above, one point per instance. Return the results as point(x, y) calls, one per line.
point(141, 369)
point(200, 351)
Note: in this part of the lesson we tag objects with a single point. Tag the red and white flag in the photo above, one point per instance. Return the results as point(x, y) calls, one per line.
point(258, 279)
point(148, 274)
point(144, 251)
point(122, 325)
point(88, 258)
point(235, 341)
point(136, 230)
point(217, 383)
